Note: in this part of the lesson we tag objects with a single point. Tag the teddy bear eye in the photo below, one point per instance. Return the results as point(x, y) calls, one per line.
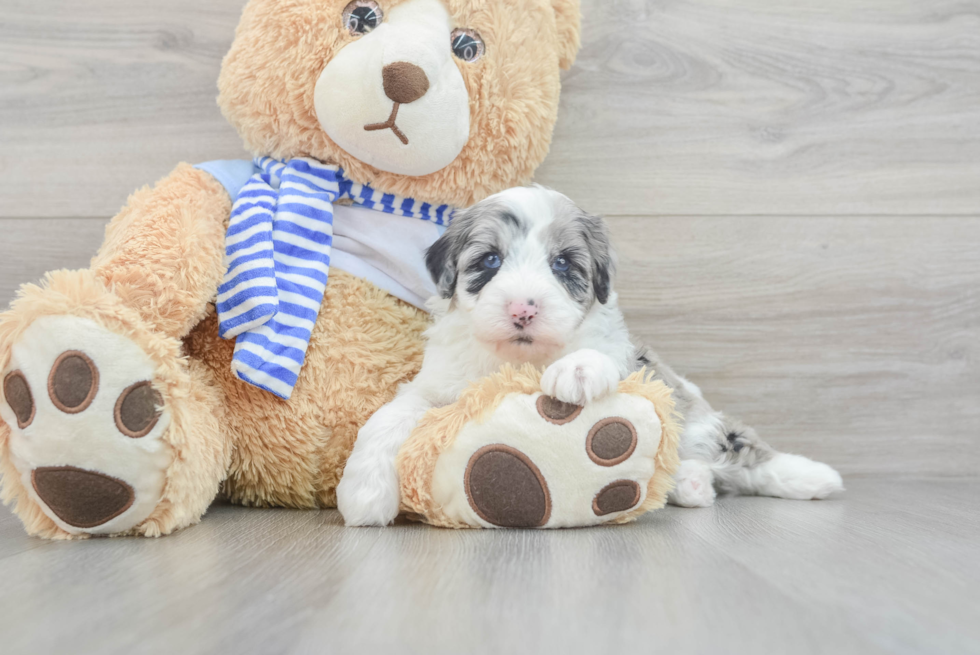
point(467, 45)
point(362, 16)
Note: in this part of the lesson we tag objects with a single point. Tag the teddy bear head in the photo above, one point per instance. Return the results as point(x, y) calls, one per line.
point(446, 101)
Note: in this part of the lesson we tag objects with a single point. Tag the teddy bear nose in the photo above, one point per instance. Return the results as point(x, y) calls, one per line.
point(404, 82)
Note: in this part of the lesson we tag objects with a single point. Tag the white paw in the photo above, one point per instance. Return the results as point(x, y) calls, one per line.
point(695, 485)
point(581, 377)
point(368, 493)
point(798, 478)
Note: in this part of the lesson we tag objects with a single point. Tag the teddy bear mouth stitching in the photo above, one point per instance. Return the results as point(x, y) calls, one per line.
point(389, 124)
point(403, 83)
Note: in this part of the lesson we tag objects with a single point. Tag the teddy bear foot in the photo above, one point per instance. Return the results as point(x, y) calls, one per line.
point(86, 425)
point(536, 462)
point(105, 429)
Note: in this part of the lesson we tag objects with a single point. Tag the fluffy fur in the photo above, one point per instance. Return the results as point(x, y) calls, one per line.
point(513, 88)
point(154, 280)
point(200, 448)
point(527, 277)
point(436, 431)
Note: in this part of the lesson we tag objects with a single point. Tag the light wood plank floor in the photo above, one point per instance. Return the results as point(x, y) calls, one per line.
point(888, 568)
point(795, 194)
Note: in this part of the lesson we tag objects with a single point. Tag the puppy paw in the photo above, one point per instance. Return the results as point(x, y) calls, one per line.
point(368, 493)
point(796, 477)
point(695, 485)
point(581, 377)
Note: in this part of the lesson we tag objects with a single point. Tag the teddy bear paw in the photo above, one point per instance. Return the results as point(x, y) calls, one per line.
point(86, 425)
point(537, 462)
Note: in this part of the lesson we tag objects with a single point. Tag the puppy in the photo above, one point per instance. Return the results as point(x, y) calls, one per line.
point(526, 276)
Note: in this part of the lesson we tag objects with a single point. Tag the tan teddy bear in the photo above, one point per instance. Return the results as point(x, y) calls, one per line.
point(125, 411)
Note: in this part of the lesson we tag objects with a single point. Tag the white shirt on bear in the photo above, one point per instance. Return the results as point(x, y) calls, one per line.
point(384, 249)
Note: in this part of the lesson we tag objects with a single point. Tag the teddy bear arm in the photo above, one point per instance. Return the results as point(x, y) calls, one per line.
point(163, 253)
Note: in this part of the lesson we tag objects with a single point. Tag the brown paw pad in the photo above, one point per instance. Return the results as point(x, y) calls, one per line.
point(611, 441)
point(557, 412)
point(506, 489)
point(138, 410)
point(73, 382)
point(80, 498)
point(618, 496)
point(18, 394)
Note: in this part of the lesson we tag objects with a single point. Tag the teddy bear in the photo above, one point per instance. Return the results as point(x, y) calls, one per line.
point(242, 320)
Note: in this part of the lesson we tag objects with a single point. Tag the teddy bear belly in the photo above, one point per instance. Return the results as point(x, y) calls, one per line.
point(292, 453)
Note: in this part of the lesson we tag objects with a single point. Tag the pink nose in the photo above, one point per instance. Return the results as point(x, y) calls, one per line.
point(522, 312)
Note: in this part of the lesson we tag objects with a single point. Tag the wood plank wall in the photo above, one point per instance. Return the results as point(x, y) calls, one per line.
point(795, 190)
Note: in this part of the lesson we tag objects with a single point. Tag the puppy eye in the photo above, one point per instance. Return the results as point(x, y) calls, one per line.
point(491, 261)
point(362, 16)
point(561, 264)
point(467, 45)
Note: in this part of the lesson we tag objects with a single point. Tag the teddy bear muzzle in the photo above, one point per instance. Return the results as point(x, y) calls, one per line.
point(404, 83)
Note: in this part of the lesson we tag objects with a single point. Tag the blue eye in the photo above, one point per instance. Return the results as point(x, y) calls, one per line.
point(491, 261)
point(560, 265)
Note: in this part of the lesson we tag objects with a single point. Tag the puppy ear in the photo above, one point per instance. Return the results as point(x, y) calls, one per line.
point(568, 17)
point(603, 258)
point(440, 259)
point(602, 276)
point(602, 281)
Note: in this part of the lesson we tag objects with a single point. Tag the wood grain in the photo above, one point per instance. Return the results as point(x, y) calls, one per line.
point(687, 107)
point(769, 107)
point(888, 567)
point(99, 99)
point(854, 340)
point(30, 247)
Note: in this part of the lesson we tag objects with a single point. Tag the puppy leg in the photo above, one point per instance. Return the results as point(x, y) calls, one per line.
point(747, 465)
point(694, 485)
point(368, 493)
point(788, 476)
point(581, 377)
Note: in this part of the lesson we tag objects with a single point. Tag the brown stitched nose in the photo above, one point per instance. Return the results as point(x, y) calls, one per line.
point(404, 82)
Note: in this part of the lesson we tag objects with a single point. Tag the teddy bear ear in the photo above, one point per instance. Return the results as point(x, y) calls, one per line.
point(568, 17)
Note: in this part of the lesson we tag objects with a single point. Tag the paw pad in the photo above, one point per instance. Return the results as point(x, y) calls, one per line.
point(618, 496)
point(87, 425)
point(18, 394)
point(83, 499)
point(137, 410)
point(73, 382)
point(611, 441)
point(531, 461)
point(557, 412)
point(505, 488)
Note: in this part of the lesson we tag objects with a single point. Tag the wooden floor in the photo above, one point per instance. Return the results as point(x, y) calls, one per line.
point(794, 191)
point(891, 567)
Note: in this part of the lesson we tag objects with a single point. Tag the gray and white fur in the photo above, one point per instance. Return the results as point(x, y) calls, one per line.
point(526, 276)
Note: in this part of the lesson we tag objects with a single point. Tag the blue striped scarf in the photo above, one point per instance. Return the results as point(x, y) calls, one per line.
point(277, 251)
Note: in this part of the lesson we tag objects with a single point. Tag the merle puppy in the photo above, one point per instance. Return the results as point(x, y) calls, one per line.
point(526, 276)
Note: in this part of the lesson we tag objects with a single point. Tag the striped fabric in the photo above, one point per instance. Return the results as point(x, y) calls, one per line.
point(277, 252)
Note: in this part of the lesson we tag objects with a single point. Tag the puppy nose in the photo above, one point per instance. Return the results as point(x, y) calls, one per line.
point(404, 82)
point(522, 312)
